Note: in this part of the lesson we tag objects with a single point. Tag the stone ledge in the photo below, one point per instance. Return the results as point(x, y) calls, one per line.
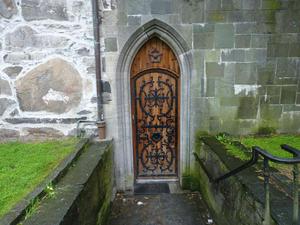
point(44, 120)
point(84, 194)
point(18, 212)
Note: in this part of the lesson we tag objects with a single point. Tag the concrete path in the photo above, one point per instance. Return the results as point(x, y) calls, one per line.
point(160, 209)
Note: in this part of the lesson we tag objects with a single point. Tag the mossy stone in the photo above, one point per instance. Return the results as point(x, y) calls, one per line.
point(215, 16)
point(248, 108)
point(288, 95)
point(271, 4)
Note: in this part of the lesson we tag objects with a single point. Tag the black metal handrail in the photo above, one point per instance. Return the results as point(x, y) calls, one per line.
point(256, 151)
point(267, 157)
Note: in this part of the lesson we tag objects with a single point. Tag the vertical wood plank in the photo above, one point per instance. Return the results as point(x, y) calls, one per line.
point(157, 107)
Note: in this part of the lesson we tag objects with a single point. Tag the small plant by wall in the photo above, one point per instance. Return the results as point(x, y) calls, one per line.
point(266, 131)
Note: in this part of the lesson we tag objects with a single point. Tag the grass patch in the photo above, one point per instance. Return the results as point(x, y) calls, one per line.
point(237, 152)
point(272, 143)
point(232, 149)
point(25, 165)
point(269, 143)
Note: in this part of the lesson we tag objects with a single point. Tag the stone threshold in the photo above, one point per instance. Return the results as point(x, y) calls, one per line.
point(18, 212)
point(252, 181)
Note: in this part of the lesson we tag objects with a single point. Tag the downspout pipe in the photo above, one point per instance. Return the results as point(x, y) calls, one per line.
point(96, 28)
point(97, 48)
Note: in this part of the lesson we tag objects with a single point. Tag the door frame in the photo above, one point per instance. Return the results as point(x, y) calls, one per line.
point(123, 157)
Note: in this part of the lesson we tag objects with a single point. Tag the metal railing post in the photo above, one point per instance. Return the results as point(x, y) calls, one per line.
point(296, 195)
point(256, 152)
point(267, 216)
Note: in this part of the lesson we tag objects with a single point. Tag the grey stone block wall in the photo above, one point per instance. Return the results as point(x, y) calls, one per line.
point(246, 57)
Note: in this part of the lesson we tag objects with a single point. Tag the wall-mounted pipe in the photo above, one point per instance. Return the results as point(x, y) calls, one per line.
point(96, 26)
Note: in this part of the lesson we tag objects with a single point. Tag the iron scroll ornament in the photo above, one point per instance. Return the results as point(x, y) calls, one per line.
point(156, 129)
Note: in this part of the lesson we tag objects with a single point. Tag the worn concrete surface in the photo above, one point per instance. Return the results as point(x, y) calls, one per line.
point(161, 209)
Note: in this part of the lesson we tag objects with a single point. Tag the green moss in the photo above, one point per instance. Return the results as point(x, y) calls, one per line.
point(247, 108)
point(217, 16)
point(197, 180)
point(208, 194)
point(198, 142)
point(266, 130)
point(104, 212)
point(106, 187)
point(191, 181)
point(270, 17)
point(231, 147)
point(201, 133)
point(269, 124)
point(185, 181)
point(236, 152)
point(194, 181)
point(271, 4)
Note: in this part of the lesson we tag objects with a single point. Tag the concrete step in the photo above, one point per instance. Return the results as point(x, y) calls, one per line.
point(160, 209)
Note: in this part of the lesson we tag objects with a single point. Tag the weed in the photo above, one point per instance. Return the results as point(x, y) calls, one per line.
point(34, 204)
point(49, 191)
point(266, 131)
point(224, 138)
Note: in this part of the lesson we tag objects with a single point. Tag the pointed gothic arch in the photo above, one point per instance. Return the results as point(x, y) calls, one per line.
point(124, 145)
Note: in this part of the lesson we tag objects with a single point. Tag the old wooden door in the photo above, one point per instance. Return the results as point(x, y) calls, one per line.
point(155, 95)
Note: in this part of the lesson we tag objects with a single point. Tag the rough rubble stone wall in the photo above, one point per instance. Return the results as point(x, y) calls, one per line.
point(47, 69)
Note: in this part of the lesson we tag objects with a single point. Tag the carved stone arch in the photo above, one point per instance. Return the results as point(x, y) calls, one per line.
point(123, 148)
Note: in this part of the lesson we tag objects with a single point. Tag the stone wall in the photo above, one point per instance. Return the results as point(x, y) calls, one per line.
point(239, 199)
point(47, 69)
point(245, 58)
point(84, 194)
point(245, 55)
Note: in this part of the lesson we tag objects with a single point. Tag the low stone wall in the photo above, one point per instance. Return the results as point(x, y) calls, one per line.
point(239, 199)
point(84, 195)
point(18, 212)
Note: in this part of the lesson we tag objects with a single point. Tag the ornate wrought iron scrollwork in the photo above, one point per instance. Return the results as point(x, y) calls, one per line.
point(156, 101)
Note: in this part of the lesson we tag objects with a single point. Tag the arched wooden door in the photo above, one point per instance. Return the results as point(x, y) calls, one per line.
point(155, 82)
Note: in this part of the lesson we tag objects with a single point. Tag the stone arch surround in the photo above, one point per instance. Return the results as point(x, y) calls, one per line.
point(124, 170)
